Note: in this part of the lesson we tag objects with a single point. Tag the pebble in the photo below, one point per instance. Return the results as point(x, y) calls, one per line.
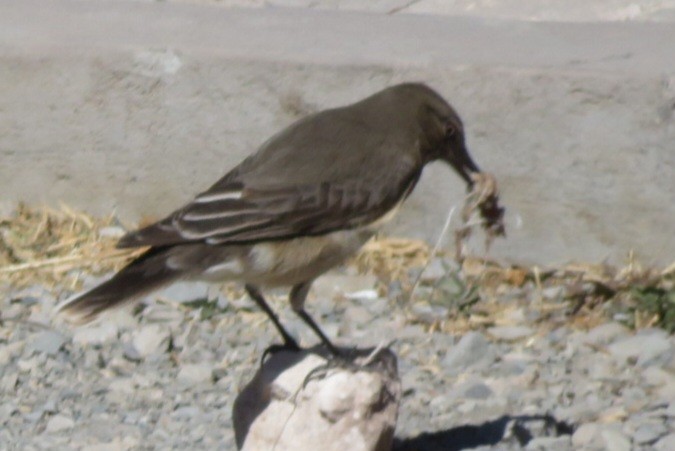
point(196, 373)
point(471, 348)
point(10, 350)
point(111, 232)
point(477, 391)
point(553, 293)
point(429, 313)
point(670, 410)
point(363, 295)
point(59, 423)
point(184, 292)
point(666, 443)
point(435, 270)
point(615, 440)
point(186, 412)
point(148, 340)
point(649, 433)
point(48, 342)
point(586, 435)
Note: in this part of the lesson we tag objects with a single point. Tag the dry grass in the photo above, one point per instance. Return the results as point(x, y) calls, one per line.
point(51, 247)
point(54, 247)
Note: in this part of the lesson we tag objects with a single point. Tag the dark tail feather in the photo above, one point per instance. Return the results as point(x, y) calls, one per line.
point(143, 275)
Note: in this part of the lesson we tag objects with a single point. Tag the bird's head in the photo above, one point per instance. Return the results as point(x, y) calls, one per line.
point(443, 134)
point(439, 131)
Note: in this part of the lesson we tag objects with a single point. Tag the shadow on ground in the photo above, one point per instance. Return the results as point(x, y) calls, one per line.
point(516, 429)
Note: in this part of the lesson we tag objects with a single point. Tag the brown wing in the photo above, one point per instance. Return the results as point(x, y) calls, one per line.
point(232, 213)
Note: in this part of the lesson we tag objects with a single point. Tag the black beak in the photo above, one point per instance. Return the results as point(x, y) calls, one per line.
point(461, 162)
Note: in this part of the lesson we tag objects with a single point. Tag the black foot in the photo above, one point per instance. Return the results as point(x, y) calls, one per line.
point(343, 359)
point(289, 345)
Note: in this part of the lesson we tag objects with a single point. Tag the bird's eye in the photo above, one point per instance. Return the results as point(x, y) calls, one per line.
point(450, 131)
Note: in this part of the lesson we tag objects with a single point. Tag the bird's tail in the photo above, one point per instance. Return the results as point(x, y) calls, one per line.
point(143, 275)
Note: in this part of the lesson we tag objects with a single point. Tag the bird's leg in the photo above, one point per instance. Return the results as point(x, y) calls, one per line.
point(256, 295)
point(297, 298)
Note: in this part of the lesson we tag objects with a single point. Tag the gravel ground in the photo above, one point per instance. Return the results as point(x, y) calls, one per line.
point(165, 376)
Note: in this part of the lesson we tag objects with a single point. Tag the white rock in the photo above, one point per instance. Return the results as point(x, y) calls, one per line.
point(364, 295)
point(150, 339)
point(196, 373)
point(111, 232)
point(59, 423)
point(335, 411)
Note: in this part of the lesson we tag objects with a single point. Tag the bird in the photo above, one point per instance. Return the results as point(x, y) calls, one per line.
point(309, 198)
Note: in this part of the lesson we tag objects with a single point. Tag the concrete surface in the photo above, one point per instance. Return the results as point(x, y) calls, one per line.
point(137, 106)
point(529, 10)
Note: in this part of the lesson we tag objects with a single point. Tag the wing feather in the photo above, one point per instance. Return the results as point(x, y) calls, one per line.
point(272, 214)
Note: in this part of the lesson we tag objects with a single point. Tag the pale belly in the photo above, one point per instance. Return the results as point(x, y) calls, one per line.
point(286, 263)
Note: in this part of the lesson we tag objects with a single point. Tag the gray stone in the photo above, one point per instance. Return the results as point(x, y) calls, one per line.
point(509, 333)
point(471, 348)
point(223, 302)
point(641, 348)
point(162, 313)
point(184, 292)
point(48, 342)
point(186, 412)
point(666, 443)
point(477, 391)
point(131, 353)
point(436, 269)
point(670, 410)
point(429, 313)
point(7, 409)
point(648, 433)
